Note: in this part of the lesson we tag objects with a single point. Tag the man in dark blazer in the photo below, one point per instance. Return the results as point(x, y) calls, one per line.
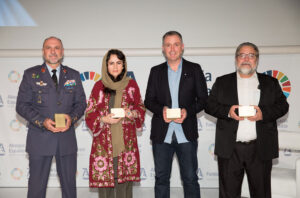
point(47, 90)
point(176, 83)
point(247, 105)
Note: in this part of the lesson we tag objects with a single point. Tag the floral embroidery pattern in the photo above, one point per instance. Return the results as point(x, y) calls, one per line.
point(101, 158)
point(131, 92)
point(129, 158)
point(89, 105)
point(100, 97)
point(43, 69)
point(100, 164)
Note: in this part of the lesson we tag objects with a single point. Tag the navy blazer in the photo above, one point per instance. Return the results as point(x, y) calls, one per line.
point(192, 96)
point(272, 103)
point(38, 99)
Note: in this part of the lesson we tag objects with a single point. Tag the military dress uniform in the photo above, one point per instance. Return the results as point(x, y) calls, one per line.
point(38, 99)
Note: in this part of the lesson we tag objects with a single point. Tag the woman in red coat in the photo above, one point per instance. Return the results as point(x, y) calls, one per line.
point(114, 159)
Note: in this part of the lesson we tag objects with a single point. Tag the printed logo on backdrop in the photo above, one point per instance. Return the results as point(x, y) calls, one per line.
point(2, 149)
point(81, 151)
point(1, 101)
point(284, 81)
point(16, 173)
point(144, 127)
point(211, 149)
point(85, 173)
point(11, 100)
point(53, 173)
point(14, 76)
point(287, 152)
point(299, 124)
point(84, 126)
point(131, 75)
point(27, 175)
point(199, 174)
point(208, 78)
point(143, 174)
point(91, 75)
point(212, 174)
point(16, 149)
point(152, 173)
point(15, 125)
point(282, 123)
point(140, 148)
point(200, 128)
point(210, 125)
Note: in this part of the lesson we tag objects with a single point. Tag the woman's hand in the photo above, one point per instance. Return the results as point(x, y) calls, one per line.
point(129, 114)
point(109, 120)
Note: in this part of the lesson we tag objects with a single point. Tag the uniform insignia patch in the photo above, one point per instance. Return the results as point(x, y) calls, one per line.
point(70, 83)
point(41, 83)
point(35, 75)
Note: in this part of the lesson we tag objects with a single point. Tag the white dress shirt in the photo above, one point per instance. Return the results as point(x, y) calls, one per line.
point(248, 94)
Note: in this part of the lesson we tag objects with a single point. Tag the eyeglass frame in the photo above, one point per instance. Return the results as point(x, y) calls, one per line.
point(250, 56)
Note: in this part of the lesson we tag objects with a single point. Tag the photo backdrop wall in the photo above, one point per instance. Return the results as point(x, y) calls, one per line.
point(13, 131)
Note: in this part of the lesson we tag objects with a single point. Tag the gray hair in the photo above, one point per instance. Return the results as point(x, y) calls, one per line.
point(247, 44)
point(53, 37)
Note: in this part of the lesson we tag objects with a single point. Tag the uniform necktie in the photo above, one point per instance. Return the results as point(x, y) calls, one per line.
point(54, 77)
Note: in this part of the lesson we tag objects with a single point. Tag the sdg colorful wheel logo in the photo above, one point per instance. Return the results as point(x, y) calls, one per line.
point(14, 76)
point(90, 75)
point(16, 173)
point(15, 125)
point(283, 81)
point(211, 149)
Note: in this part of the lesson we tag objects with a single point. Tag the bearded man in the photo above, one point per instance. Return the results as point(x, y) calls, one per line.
point(246, 105)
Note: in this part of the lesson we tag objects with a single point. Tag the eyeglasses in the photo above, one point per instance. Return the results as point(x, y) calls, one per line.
point(250, 56)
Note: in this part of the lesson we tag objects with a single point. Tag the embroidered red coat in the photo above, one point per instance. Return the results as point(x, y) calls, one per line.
point(101, 173)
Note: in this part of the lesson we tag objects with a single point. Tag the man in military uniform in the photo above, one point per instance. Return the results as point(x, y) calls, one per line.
point(47, 91)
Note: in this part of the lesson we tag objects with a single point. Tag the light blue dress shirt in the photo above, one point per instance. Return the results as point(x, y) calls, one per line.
point(174, 79)
point(57, 71)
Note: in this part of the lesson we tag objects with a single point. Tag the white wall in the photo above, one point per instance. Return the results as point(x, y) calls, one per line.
point(141, 24)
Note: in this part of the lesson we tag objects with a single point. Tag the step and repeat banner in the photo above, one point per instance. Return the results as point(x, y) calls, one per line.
point(14, 160)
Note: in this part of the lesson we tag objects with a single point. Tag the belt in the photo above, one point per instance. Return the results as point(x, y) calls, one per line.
point(247, 142)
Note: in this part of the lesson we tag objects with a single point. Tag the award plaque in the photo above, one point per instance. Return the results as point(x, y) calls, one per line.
point(246, 111)
point(173, 113)
point(118, 112)
point(60, 120)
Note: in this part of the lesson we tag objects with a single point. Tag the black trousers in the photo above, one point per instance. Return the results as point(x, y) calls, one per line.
point(244, 160)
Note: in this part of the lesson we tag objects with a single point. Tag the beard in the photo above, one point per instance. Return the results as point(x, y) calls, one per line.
point(246, 69)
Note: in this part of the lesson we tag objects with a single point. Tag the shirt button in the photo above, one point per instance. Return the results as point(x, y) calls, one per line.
point(58, 103)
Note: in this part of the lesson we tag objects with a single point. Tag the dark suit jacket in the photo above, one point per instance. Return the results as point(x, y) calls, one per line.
point(192, 97)
point(38, 99)
point(272, 103)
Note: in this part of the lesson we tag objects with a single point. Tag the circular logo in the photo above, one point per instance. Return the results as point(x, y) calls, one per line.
point(15, 125)
point(211, 149)
point(16, 173)
point(284, 82)
point(14, 76)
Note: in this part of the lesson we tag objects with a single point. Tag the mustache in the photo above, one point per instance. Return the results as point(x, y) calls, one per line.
point(246, 63)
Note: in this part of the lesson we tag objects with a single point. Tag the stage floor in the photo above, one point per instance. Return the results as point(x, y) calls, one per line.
point(138, 192)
